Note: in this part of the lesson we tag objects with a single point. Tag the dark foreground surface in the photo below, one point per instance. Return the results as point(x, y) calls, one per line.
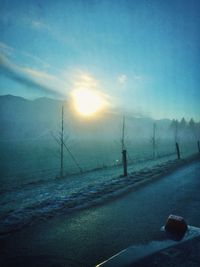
point(184, 255)
point(91, 236)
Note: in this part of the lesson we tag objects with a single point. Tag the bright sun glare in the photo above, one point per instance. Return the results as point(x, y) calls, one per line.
point(87, 102)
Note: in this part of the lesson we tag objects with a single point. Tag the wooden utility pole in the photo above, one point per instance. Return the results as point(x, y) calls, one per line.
point(123, 129)
point(61, 143)
point(124, 159)
point(154, 141)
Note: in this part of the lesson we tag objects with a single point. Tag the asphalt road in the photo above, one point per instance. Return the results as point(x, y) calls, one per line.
point(88, 237)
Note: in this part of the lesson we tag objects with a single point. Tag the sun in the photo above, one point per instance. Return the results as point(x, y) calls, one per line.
point(87, 102)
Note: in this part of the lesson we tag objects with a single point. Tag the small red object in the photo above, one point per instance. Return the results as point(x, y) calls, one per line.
point(176, 225)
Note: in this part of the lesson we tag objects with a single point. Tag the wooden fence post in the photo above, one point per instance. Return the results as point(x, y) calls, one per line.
point(178, 151)
point(124, 160)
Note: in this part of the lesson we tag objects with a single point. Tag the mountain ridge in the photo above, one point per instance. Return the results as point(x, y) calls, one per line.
point(21, 117)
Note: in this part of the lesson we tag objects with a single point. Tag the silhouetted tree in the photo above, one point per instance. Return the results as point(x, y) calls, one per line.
point(198, 130)
point(192, 126)
point(183, 128)
point(174, 126)
point(198, 135)
point(183, 124)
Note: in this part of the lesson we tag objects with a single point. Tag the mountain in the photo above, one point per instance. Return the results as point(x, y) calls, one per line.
point(21, 119)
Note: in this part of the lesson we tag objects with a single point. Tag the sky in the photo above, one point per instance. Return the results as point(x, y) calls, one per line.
point(142, 56)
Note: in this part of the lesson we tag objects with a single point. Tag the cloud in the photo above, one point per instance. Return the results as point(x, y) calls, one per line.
point(29, 77)
point(6, 49)
point(81, 79)
point(9, 51)
point(38, 25)
point(138, 77)
point(59, 84)
point(35, 59)
point(39, 75)
point(84, 80)
point(122, 79)
point(33, 23)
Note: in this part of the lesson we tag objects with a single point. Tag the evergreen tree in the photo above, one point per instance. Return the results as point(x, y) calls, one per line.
point(198, 130)
point(183, 127)
point(192, 126)
point(174, 126)
point(183, 124)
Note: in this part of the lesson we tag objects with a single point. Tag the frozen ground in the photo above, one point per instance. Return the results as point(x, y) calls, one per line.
point(21, 205)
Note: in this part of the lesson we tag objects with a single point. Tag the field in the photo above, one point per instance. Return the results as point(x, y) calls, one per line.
point(33, 160)
point(31, 188)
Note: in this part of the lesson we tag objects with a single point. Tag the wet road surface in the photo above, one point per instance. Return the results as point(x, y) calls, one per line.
point(88, 237)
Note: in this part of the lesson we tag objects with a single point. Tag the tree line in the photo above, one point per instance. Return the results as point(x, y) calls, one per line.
point(185, 128)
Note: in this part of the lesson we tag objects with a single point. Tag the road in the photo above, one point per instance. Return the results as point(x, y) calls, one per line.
point(90, 236)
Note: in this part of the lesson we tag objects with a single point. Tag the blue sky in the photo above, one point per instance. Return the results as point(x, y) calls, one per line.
point(142, 55)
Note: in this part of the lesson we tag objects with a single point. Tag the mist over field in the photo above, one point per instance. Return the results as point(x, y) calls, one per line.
point(30, 130)
point(23, 119)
